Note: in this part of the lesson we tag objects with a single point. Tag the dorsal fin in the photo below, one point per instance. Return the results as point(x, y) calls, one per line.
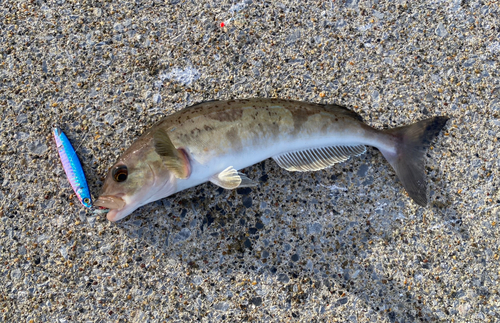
point(175, 159)
point(343, 110)
point(317, 158)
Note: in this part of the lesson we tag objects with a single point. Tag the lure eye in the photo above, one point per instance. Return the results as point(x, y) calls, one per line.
point(120, 173)
point(86, 200)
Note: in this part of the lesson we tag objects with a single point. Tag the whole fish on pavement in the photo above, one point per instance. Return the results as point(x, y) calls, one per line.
point(211, 141)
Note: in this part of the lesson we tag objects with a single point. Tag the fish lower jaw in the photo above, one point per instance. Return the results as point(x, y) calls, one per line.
point(118, 214)
point(112, 215)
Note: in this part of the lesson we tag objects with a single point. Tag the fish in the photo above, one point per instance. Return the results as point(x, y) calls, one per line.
point(212, 141)
point(72, 167)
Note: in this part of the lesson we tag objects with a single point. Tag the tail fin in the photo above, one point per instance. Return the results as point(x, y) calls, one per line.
point(408, 161)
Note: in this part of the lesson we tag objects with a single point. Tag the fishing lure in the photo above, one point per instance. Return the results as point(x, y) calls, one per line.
point(73, 168)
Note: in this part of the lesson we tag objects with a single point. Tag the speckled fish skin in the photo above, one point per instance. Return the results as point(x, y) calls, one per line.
point(72, 167)
point(241, 133)
point(218, 134)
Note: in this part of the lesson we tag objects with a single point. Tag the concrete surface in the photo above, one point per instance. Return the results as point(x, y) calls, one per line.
point(341, 245)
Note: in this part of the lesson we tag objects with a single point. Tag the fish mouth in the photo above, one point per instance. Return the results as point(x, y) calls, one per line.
point(110, 202)
point(118, 208)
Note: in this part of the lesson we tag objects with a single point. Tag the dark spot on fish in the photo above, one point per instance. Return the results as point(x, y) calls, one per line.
point(195, 132)
point(234, 138)
point(325, 127)
point(300, 116)
point(227, 115)
point(340, 110)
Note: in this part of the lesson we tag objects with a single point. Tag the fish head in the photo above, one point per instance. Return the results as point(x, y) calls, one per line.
point(137, 178)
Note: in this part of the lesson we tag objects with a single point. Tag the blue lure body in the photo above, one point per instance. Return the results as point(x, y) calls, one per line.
point(73, 168)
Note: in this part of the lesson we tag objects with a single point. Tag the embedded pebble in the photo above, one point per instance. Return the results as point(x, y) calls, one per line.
point(37, 148)
point(222, 306)
point(314, 228)
point(283, 278)
point(64, 252)
point(247, 201)
point(441, 30)
point(16, 274)
point(257, 301)
point(156, 98)
point(182, 76)
point(184, 234)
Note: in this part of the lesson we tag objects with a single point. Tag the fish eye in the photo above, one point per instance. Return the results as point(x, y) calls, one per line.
point(120, 173)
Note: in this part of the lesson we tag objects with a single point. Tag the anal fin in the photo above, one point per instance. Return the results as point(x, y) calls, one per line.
point(317, 158)
point(230, 178)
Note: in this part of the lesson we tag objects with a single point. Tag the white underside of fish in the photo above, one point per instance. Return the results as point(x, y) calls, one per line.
point(250, 155)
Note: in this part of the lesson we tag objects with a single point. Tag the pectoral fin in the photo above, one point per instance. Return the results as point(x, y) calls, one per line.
point(230, 178)
point(175, 159)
